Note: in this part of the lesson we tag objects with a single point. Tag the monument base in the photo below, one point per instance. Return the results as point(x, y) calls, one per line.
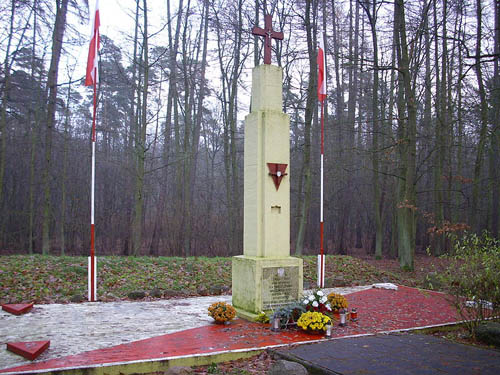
point(265, 283)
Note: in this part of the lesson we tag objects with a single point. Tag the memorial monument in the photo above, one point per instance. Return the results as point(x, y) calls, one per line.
point(266, 276)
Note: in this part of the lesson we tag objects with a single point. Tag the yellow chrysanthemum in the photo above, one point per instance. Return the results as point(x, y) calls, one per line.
point(313, 321)
point(221, 312)
point(337, 301)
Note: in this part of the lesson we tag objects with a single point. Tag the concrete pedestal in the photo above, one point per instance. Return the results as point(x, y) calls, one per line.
point(265, 276)
point(264, 284)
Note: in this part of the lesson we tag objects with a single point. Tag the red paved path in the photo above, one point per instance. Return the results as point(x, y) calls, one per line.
point(378, 311)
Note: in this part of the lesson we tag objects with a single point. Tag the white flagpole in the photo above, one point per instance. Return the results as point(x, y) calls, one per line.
point(91, 79)
point(321, 97)
point(92, 274)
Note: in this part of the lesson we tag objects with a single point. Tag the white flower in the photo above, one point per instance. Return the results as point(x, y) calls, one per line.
point(306, 301)
point(323, 300)
point(328, 307)
point(311, 298)
point(319, 293)
point(315, 304)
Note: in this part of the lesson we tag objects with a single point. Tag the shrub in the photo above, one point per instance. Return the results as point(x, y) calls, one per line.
point(221, 312)
point(473, 278)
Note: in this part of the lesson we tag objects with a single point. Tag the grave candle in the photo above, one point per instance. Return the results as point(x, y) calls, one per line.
point(328, 330)
point(276, 324)
point(342, 318)
point(354, 314)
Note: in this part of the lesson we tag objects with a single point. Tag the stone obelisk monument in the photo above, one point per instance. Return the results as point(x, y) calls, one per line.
point(266, 276)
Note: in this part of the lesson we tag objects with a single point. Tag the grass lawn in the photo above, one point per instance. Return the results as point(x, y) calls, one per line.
point(49, 279)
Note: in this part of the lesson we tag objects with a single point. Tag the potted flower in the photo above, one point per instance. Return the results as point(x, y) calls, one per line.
point(337, 302)
point(221, 312)
point(313, 322)
point(288, 315)
point(318, 302)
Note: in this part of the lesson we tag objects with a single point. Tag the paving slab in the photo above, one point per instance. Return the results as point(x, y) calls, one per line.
point(79, 327)
point(379, 311)
point(402, 354)
point(75, 328)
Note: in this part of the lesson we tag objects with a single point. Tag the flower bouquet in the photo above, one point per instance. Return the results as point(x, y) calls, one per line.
point(313, 322)
point(221, 312)
point(317, 302)
point(337, 302)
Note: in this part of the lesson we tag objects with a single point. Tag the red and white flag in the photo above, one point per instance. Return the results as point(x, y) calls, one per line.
point(92, 69)
point(321, 70)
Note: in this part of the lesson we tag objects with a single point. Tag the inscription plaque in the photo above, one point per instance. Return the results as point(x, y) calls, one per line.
point(279, 286)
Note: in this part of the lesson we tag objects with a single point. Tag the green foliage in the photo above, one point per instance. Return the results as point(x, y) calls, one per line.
point(406, 268)
point(262, 318)
point(213, 369)
point(489, 333)
point(473, 278)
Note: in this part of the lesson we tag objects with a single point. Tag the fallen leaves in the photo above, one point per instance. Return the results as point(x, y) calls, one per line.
point(47, 279)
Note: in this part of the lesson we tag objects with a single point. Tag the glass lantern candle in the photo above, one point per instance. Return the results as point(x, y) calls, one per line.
point(328, 332)
point(343, 318)
point(275, 326)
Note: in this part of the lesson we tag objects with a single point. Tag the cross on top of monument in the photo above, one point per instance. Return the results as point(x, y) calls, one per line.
point(269, 34)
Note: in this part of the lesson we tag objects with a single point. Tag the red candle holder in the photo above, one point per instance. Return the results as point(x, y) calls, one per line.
point(354, 314)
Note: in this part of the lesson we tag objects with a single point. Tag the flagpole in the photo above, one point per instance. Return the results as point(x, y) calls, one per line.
point(91, 80)
point(322, 276)
point(92, 289)
point(321, 97)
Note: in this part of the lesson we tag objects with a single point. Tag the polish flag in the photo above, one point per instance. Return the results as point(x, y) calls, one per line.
point(92, 68)
point(321, 70)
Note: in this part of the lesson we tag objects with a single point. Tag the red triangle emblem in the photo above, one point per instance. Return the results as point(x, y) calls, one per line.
point(17, 308)
point(28, 349)
point(277, 172)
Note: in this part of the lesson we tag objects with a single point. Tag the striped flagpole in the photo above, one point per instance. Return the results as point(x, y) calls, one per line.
point(91, 79)
point(321, 223)
point(92, 268)
point(321, 97)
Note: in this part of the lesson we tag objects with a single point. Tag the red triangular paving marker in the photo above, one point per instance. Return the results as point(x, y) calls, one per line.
point(30, 349)
point(277, 172)
point(17, 308)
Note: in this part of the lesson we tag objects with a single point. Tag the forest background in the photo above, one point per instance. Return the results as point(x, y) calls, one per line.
point(412, 125)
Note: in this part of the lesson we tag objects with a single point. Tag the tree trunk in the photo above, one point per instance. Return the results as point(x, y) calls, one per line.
point(62, 227)
point(141, 148)
point(495, 134)
point(34, 138)
point(186, 149)
point(310, 108)
point(3, 119)
point(57, 41)
point(475, 209)
point(377, 203)
point(407, 205)
point(199, 106)
point(441, 124)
